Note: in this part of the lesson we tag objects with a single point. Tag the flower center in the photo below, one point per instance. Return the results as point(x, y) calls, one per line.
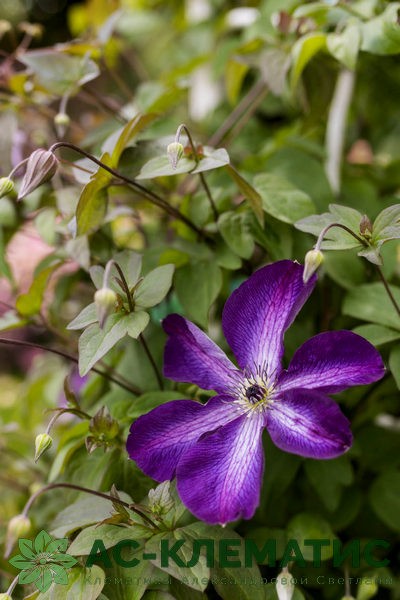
point(254, 394)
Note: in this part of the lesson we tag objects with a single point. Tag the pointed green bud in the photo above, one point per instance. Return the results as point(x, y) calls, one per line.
point(5, 596)
point(175, 153)
point(285, 586)
point(41, 166)
point(6, 186)
point(42, 443)
point(367, 589)
point(312, 261)
point(366, 226)
point(104, 299)
point(18, 527)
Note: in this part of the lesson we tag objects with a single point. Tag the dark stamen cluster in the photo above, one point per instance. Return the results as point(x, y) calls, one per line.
point(255, 393)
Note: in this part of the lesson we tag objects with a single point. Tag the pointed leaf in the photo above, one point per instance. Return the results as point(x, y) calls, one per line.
point(86, 317)
point(137, 322)
point(155, 286)
point(26, 548)
point(281, 199)
point(94, 342)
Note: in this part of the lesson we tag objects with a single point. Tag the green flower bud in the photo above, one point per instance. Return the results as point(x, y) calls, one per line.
point(18, 527)
point(5, 596)
point(104, 299)
point(62, 119)
point(285, 586)
point(312, 261)
point(42, 443)
point(175, 153)
point(41, 166)
point(6, 186)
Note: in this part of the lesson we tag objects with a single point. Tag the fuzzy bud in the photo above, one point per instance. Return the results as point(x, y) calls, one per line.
point(18, 527)
point(42, 443)
point(6, 186)
point(285, 586)
point(366, 226)
point(41, 166)
point(175, 153)
point(312, 261)
point(104, 299)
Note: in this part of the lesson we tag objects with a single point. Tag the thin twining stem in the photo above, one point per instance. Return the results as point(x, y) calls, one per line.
point(151, 196)
point(365, 244)
point(204, 183)
point(130, 388)
point(131, 309)
point(131, 506)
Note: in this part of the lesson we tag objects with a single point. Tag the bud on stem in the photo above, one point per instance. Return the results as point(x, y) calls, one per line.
point(312, 261)
point(41, 166)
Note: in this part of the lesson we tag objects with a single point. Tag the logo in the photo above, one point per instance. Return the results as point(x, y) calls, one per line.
point(43, 561)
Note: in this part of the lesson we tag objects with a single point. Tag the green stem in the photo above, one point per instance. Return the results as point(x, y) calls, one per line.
point(133, 507)
point(12, 585)
point(328, 227)
point(62, 411)
point(130, 388)
point(151, 196)
point(131, 309)
point(184, 128)
point(152, 361)
point(388, 290)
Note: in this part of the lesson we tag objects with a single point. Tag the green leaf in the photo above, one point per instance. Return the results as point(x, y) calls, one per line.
point(86, 317)
point(344, 46)
point(83, 584)
point(370, 302)
point(384, 497)
point(86, 511)
point(59, 72)
point(307, 526)
point(20, 562)
point(377, 334)
point(387, 224)
point(136, 322)
point(381, 35)
point(148, 401)
point(110, 535)
point(155, 286)
point(303, 51)
point(197, 286)
point(231, 583)
point(161, 167)
point(195, 577)
point(212, 159)
point(92, 204)
point(94, 342)
point(281, 199)
point(248, 191)
point(235, 72)
point(127, 134)
point(336, 238)
point(235, 229)
point(394, 364)
point(60, 575)
point(328, 479)
point(29, 304)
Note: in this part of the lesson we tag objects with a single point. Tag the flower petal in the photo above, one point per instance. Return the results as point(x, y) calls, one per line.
point(257, 314)
point(308, 423)
point(333, 361)
point(219, 477)
point(158, 439)
point(191, 356)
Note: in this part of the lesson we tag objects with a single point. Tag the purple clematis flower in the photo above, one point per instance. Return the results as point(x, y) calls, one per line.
point(215, 450)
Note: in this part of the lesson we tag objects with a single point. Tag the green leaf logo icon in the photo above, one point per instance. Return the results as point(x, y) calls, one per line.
point(43, 561)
